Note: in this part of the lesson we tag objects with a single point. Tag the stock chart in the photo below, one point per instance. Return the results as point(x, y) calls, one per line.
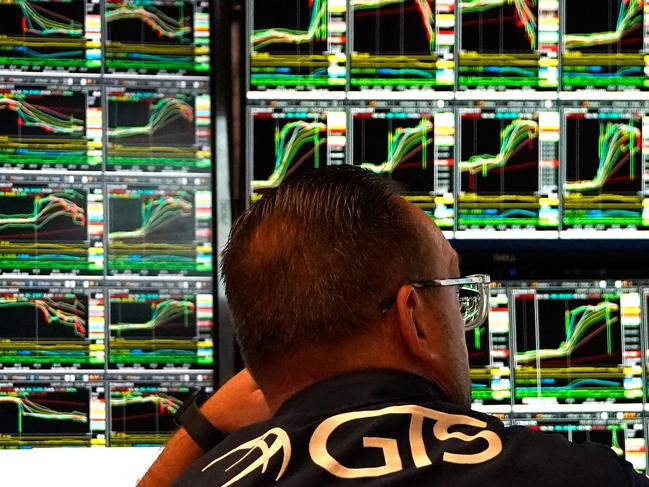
point(291, 138)
point(604, 188)
point(50, 414)
point(158, 130)
point(398, 44)
point(50, 127)
point(161, 36)
point(160, 328)
point(508, 169)
point(577, 346)
point(159, 230)
point(507, 44)
point(567, 358)
point(416, 149)
point(54, 327)
point(51, 228)
point(142, 412)
point(51, 35)
point(605, 49)
point(297, 43)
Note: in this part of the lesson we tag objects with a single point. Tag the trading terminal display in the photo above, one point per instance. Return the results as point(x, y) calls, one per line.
point(52, 228)
point(565, 358)
point(508, 166)
point(50, 126)
point(413, 143)
point(106, 234)
point(293, 137)
point(166, 130)
point(160, 327)
point(511, 44)
point(605, 185)
point(53, 326)
point(160, 227)
point(157, 36)
point(60, 412)
point(403, 44)
point(59, 35)
point(607, 48)
point(299, 44)
point(576, 349)
point(141, 411)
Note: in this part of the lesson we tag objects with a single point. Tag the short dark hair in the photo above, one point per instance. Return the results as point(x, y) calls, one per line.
point(310, 262)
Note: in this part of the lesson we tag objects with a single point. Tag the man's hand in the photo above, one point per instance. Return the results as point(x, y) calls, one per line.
point(238, 403)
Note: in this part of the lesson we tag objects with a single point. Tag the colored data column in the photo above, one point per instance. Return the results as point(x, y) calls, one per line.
point(402, 44)
point(412, 143)
point(508, 170)
point(508, 44)
point(50, 36)
point(488, 347)
point(297, 44)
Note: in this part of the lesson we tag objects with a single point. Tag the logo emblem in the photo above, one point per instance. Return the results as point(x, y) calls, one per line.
point(262, 451)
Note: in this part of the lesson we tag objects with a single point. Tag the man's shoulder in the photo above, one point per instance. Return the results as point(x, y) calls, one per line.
point(425, 443)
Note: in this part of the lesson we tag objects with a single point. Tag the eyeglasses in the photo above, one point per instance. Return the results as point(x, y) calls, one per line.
point(472, 292)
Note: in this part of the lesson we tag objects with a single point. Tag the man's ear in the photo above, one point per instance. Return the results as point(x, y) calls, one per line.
point(410, 313)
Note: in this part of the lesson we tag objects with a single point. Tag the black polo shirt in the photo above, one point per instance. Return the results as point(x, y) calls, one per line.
point(385, 427)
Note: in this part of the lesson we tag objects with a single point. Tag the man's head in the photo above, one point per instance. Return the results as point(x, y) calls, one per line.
point(308, 266)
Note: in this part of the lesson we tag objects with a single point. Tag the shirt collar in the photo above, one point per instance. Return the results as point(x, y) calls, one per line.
point(362, 388)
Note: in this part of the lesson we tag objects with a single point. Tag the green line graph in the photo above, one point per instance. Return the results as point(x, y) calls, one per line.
point(169, 310)
point(46, 209)
point(316, 31)
point(288, 141)
point(30, 409)
point(43, 117)
point(629, 16)
point(40, 24)
point(155, 212)
point(424, 7)
point(60, 312)
point(402, 142)
point(578, 322)
point(512, 137)
point(165, 402)
point(616, 141)
point(156, 19)
point(165, 111)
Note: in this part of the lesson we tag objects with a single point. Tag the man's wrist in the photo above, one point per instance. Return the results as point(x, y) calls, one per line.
point(197, 426)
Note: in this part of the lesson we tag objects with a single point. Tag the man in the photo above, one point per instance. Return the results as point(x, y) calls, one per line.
point(349, 321)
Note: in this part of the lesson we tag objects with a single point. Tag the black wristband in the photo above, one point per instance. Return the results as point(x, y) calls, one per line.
point(198, 427)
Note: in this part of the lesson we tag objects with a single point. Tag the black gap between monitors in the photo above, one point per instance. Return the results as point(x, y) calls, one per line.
point(555, 259)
